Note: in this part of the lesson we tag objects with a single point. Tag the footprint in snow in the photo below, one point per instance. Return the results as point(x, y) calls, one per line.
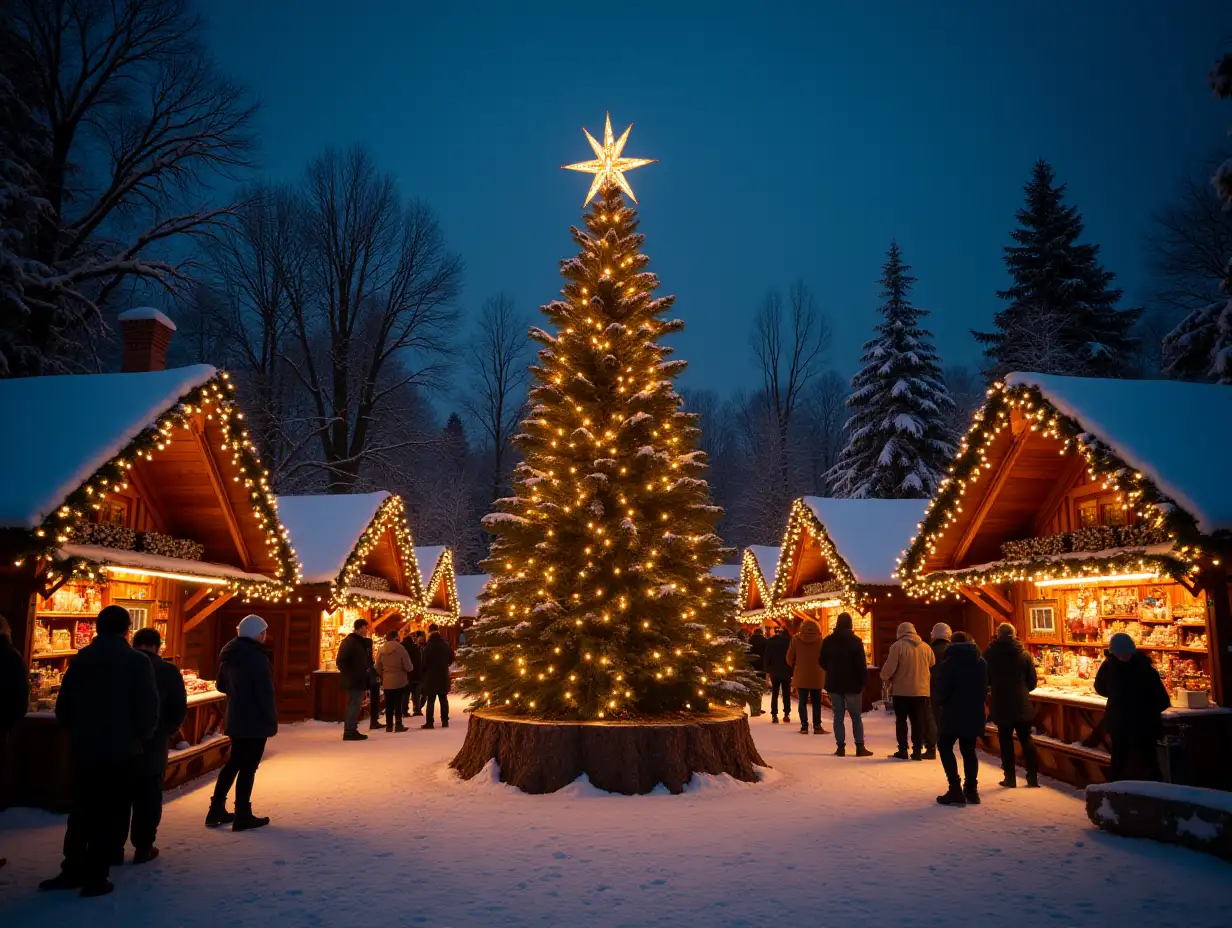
point(560, 855)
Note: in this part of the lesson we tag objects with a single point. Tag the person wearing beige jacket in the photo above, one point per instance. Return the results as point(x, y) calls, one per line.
point(907, 669)
point(394, 666)
point(804, 656)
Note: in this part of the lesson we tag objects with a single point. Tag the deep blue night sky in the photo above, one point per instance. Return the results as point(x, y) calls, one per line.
point(794, 141)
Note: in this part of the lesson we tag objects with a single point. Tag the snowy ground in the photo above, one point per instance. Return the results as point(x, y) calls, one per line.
point(380, 833)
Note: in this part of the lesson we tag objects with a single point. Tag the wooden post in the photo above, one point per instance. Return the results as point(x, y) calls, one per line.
point(1219, 628)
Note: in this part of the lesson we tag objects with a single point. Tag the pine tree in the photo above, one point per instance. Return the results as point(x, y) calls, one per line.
point(898, 442)
point(1200, 347)
point(1062, 316)
point(602, 605)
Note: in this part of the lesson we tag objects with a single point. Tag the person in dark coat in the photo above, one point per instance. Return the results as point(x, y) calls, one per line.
point(775, 663)
point(108, 701)
point(1136, 700)
point(356, 670)
point(1011, 674)
point(412, 699)
point(939, 640)
point(437, 658)
point(146, 796)
point(757, 654)
point(961, 688)
point(14, 698)
point(246, 675)
point(843, 660)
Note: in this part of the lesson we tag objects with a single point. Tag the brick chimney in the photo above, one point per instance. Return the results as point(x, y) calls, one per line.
point(146, 334)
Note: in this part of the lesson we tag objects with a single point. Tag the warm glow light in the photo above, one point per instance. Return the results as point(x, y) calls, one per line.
point(1106, 578)
point(608, 166)
point(144, 572)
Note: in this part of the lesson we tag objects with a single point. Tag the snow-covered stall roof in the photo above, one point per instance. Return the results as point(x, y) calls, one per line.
point(1151, 425)
point(427, 557)
point(143, 560)
point(325, 529)
point(469, 587)
point(58, 458)
point(767, 558)
point(869, 534)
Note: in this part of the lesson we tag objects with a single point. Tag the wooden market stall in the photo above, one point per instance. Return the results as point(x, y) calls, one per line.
point(758, 565)
point(1077, 508)
point(840, 555)
point(440, 591)
point(147, 495)
point(356, 559)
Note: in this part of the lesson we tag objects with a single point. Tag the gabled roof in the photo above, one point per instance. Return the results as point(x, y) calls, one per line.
point(767, 558)
point(1152, 426)
point(325, 529)
point(427, 557)
point(108, 412)
point(436, 562)
point(869, 534)
point(469, 587)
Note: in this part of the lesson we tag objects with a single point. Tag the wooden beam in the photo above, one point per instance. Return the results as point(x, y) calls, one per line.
point(209, 610)
point(146, 493)
point(193, 601)
point(998, 599)
point(1000, 475)
point(1074, 468)
point(984, 606)
point(220, 492)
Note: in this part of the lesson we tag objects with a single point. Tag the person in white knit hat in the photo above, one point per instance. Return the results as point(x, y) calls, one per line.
point(246, 675)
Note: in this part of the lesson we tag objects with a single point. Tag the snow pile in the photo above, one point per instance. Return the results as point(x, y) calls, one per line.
point(116, 408)
point(1126, 415)
point(325, 529)
point(869, 534)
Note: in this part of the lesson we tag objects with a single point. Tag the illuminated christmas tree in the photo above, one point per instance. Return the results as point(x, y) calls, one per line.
point(602, 605)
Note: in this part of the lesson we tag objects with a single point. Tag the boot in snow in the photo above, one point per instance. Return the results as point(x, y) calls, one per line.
point(862, 751)
point(354, 736)
point(929, 754)
point(244, 819)
point(840, 751)
point(145, 854)
point(96, 888)
point(971, 794)
point(218, 814)
point(953, 797)
point(901, 754)
point(1032, 781)
point(389, 727)
point(1009, 782)
point(774, 720)
point(401, 727)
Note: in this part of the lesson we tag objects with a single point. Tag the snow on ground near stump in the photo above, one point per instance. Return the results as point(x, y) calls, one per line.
point(1188, 815)
point(382, 833)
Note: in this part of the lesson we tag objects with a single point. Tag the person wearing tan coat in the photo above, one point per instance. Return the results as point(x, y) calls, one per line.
point(804, 656)
point(394, 666)
point(907, 669)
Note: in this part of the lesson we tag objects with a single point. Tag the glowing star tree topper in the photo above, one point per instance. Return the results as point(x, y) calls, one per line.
point(609, 166)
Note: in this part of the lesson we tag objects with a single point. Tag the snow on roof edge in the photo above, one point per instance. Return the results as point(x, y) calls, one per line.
point(869, 534)
point(324, 528)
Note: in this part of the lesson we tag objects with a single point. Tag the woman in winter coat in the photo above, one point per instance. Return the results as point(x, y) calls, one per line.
point(1136, 699)
point(1011, 674)
point(804, 657)
point(394, 666)
point(907, 669)
point(961, 688)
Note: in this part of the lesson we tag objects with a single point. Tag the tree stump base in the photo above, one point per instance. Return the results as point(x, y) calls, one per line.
point(632, 758)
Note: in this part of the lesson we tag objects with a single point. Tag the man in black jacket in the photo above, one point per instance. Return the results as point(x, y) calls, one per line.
point(437, 658)
point(757, 655)
point(246, 675)
point(146, 797)
point(961, 686)
point(108, 701)
point(843, 660)
point(14, 697)
point(1136, 698)
point(1011, 673)
point(412, 703)
point(939, 640)
point(356, 671)
point(775, 664)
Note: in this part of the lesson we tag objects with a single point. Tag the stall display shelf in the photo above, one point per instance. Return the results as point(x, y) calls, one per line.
point(48, 655)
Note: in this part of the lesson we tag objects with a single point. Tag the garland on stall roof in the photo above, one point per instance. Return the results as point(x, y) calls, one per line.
point(1055, 568)
point(750, 568)
point(1137, 493)
point(443, 573)
point(213, 400)
point(1091, 538)
point(803, 519)
point(390, 515)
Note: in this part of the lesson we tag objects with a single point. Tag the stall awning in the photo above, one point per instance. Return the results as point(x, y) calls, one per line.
point(382, 595)
point(120, 560)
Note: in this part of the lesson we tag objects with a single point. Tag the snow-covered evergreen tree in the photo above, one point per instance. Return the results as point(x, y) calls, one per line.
point(1200, 347)
point(1062, 316)
point(898, 442)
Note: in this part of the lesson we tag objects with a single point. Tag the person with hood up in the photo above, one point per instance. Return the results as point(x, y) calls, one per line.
point(961, 688)
point(356, 672)
point(843, 660)
point(939, 640)
point(757, 662)
point(1011, 673)
point(437, 658)
point(775, 665)
point(14, 697)
point(146, 797)
point(109, 703)
point(246, 675)
point(804, 656)
point(394, 666)
point(907, 669)
point(1136, 699)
